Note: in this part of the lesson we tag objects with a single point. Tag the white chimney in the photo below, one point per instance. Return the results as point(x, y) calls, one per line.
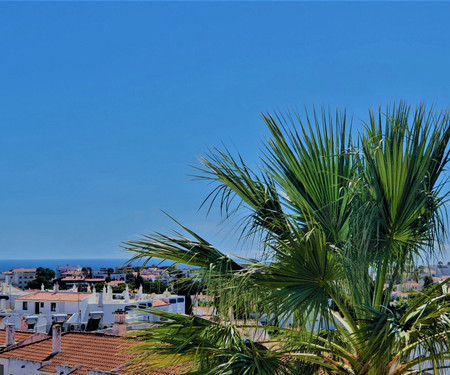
point(100, 299)
point(56, 339)
point(120, 326)
point(10, 334)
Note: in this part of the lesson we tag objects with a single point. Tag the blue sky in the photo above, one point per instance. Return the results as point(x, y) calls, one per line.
point(105, 105)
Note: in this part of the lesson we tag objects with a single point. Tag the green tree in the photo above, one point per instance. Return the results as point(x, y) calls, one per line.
point(138, 281)
point(338, 221)
point(43, 276)
point(87, 272)
point(130, 278)
point(154, 286)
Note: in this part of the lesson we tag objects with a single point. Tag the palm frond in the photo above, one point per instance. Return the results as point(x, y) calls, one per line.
point(236, 185)
point(194, 251)
point(209, 347)
point(313, 165)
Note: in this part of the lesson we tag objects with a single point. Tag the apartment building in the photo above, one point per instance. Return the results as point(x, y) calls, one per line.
point(18, 277)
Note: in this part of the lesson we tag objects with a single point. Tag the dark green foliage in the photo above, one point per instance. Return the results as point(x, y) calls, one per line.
point(157, 286)
point(43, 276)
point(138, 281)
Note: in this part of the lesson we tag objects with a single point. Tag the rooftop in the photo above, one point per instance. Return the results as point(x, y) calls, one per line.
point(89, 350)
point(85, 350)
point(54, 296)
point(19, 336)
point(24, 270)
point(160, 302)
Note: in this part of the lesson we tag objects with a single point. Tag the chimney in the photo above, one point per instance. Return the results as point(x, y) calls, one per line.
point(56, 338)
point(120, 326)
point(23, 324)
point(100, 299)
point(10, 334)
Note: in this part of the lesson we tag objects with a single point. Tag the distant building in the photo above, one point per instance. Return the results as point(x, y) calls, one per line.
point(67, 270)
point(103, 273)
point(125, 269)
point(18, 277)
point(78, 280)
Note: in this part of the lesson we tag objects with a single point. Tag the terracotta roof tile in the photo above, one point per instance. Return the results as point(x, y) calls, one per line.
point(54, 296)
point(19, 336)
point(116, 282)
point(73, 278)
point(90, 350)
point(24, 270)
point(160, 303)
point(84, 351)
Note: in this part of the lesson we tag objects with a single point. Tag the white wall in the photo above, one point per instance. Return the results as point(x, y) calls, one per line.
point(19, 366)
point(4, 363)
point(62, 307)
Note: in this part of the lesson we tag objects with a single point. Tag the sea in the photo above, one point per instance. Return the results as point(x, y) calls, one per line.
point(94, 263)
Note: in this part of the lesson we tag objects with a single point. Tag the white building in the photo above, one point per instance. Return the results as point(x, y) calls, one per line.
point(8, 294)
point(103, 273)
point(67, 270)
point(18, 277)
point(89, 311)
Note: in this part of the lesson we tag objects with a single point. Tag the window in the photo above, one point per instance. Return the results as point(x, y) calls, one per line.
point(24, 305)
point(172, 300)
point(180, 299)
point(42, 304)
point(53, 306)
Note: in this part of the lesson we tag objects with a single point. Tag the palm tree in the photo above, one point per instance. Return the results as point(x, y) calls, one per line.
point(339, 221)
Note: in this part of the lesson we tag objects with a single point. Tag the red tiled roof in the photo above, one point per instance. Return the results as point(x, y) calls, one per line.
point(160, 303)
point(85, 350)
point(24, 270)
point(90, 350)
point(116, 282)
point(54, 296)
point(73, 278)
point(19, 336)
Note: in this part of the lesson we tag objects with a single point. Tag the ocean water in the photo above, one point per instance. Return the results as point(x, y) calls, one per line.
point(94, 263)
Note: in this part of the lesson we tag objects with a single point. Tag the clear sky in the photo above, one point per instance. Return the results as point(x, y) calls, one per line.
point(105, 105)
